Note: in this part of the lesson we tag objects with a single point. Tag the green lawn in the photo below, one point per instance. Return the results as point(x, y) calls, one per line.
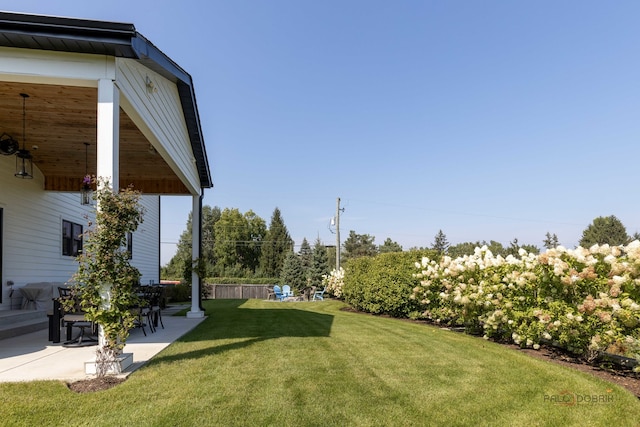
point(258, 363)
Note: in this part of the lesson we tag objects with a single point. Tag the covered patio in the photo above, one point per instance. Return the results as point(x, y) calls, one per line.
point(84, 97)
point(32, 357)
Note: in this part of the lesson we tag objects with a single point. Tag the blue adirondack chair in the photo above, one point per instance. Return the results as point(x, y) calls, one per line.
point(278, 293)
point(318, 295)
point(286, 291)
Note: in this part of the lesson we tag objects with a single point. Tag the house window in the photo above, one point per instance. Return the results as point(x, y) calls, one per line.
point(71, 238)
point(130, 245)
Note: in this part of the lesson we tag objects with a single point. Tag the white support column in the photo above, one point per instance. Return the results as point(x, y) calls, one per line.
point(108, 148)
point(196, 222)
point(108, 136)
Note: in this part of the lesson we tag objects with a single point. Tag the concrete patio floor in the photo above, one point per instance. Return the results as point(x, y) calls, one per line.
point(32, 357)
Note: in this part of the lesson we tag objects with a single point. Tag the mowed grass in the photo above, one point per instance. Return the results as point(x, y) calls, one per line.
point(259, 363)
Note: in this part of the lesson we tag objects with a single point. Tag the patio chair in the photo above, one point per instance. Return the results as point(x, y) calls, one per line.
point(278, 293)
point(308, 292)
point(286, 291)
point(155, 306)
point(76, 319)
point(270, 293)
point(142, 310)
point(318, 294)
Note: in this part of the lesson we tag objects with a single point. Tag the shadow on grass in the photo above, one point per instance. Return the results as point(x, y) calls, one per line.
point(227, 319)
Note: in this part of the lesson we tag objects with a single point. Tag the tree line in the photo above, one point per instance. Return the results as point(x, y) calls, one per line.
point(236, 244)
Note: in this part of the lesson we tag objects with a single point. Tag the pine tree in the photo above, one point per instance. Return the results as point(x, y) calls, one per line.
point(276, 244)
point(389, 246)
point(550, 241)
point(359, 245)
point(440, 244)
point(292, 272)
point(609, 230)
point(319, 263)
point(305, 255)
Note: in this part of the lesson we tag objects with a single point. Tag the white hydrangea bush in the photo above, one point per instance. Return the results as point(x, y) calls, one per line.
point(584, 300)
point(333, 282)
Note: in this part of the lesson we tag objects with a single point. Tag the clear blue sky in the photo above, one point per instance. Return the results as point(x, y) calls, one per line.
point(490, 120)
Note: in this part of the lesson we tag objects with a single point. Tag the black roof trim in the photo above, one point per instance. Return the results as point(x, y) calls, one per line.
point(44, 32)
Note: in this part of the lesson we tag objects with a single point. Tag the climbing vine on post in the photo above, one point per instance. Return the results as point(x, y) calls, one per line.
point(105, 279)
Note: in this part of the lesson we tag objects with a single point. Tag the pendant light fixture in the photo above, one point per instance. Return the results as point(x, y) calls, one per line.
point(24, 159)
point(86, 190)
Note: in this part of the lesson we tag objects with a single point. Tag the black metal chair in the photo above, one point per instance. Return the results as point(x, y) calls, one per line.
point(142, 310)
point(155, 304)
point(76, 319)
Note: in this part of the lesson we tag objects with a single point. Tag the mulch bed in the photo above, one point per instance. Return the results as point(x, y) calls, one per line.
point(623, 377)
point(95, 384)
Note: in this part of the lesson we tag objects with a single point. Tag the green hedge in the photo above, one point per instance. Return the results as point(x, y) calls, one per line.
point(383, 284)
point(178, 293)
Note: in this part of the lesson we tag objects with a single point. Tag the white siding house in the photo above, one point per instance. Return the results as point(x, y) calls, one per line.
point(32, 232)
point(102, 100)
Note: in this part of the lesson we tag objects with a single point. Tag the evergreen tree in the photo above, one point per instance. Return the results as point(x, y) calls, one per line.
point(277, 243)
point(305, 255)
point(550, 241)
point(440, 244)
point(358, 245)
point(389, 246)
point(604, 230)
point(292, 273)
point(319, 263)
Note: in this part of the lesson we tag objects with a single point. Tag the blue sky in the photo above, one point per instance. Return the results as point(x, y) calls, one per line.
point(490, 120)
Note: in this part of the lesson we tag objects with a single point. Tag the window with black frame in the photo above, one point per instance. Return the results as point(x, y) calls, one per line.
point(130, 245)
point(71, 238)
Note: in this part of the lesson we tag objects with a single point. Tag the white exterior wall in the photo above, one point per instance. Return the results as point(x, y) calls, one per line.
point(32, 232)
point(153, 103)
point(146, 241)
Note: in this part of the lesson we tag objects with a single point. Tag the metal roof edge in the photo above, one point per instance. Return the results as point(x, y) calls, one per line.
point(117, 39)
point(148, 51)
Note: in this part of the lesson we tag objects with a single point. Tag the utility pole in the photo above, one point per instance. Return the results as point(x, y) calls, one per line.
point(338, 234)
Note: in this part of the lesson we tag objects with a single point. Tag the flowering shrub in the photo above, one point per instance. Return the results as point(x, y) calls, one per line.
point(105, 277)
point(584, 300)
point(333, 282)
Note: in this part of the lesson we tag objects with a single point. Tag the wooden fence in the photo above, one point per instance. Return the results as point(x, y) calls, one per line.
point(238, 291)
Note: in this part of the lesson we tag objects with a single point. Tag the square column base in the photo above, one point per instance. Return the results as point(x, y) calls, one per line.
point(195, 314)
point(122, 362)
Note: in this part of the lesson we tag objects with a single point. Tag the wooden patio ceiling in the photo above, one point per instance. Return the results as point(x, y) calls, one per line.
point(59, 120)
